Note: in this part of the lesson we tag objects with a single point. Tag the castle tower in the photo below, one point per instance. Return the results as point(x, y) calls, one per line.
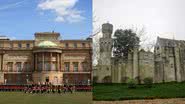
point(105, 53)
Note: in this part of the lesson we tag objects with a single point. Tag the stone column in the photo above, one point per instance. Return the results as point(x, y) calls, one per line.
point(42, 61)
point(50, 61)
point(2, 62)
point(36, 62)
point(71, 69)
point(58, 65)
point(14, 70)
point(80, 67)
point(22, 64)
point(60, 61)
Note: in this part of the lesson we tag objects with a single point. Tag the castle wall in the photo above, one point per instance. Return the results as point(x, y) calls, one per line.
point(146, 65)
point(103, 71)
point(166, 64)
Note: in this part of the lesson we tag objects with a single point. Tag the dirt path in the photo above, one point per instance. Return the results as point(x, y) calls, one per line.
point(155, 101)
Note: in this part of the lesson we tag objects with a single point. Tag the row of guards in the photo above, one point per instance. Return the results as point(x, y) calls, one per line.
point(51, 87)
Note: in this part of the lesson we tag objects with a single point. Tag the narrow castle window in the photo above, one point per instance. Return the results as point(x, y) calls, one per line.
point(157, 48)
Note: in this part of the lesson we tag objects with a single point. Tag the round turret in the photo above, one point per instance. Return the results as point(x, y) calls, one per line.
point(107, 29)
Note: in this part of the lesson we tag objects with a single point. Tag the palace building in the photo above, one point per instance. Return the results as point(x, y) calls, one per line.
point(47, 58)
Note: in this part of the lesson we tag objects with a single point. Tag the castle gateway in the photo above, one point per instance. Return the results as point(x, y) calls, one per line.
point(45, 59)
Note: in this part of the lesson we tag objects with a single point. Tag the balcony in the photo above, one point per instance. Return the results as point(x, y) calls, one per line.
point(20, 71)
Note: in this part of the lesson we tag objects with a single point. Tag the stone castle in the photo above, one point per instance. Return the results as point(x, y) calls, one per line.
point(165, 64)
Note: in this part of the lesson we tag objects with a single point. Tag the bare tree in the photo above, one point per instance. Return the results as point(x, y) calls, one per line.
point(146, 41)
point(96, 36)
point(96, 47)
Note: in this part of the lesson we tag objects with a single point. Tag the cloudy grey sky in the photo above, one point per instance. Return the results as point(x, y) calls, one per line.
point(163, 18)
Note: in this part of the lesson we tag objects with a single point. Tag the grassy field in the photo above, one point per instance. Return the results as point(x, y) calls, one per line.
point(22, 98)
point(122, 92)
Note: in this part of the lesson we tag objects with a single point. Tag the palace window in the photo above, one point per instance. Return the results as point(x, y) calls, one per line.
point(39, 66)
point(67, 66)
point(26, 66)
point(47, 66)
point(66, 45)
point(84, 66)
point(11, 45)
point(19, 45)
point(18, 66)
point(75, 45)
point(27, 45)
point(55, 79)
point(53, 66)
point(75, 66)
point(10, 66)
point(83, 44)
point(1, 45)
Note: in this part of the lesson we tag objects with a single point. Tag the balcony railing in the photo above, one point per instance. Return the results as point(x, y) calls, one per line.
point(17, 71)
point(77, 71)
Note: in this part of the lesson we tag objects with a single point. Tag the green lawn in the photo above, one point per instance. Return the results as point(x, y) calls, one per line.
point(122, 92)
point(22, 98)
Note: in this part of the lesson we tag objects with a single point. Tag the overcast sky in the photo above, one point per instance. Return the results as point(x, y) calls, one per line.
point(163, 18)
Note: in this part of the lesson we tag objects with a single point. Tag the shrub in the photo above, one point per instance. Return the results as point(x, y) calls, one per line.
point(138, 79)
point(107, 79)
point(132, 83)
point(95, 79)
point(124, 79)
point(148, 82)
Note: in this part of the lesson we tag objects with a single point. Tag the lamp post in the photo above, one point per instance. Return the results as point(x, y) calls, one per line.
point(88, 81)
point(5, 81)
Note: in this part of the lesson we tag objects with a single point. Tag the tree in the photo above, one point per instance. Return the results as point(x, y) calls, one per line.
point(124, 42)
